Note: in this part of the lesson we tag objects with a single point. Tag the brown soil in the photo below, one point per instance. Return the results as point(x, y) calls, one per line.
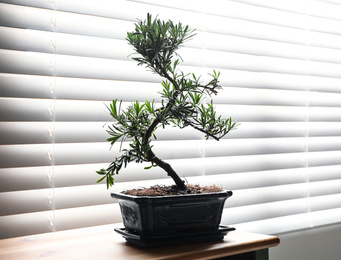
point(161, 190)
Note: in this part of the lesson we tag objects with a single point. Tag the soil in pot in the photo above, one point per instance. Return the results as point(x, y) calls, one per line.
point(162, 190)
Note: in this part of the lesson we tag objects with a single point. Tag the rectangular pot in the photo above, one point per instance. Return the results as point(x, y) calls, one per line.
point(145, 216)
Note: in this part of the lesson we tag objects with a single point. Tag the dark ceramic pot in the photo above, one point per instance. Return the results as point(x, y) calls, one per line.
point(172, 216)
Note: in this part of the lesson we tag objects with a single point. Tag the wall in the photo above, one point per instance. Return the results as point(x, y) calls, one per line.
point(316, 244)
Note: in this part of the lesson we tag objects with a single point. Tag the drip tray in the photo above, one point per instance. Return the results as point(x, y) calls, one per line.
point(173, 239)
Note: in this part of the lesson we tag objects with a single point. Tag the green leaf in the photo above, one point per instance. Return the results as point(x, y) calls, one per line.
point(101, 172)
point(113, 109)
point(113, 139)
point(101, 179)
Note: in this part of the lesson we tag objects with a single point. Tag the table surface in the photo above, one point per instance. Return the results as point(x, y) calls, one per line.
point(102, 242)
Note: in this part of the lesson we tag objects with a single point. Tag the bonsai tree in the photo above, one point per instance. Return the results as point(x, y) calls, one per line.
point(156, 42)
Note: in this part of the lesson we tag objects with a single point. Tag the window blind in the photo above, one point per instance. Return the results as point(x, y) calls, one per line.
point(62, 61)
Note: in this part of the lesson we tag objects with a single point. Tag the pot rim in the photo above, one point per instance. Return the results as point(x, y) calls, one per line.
point(221, 194)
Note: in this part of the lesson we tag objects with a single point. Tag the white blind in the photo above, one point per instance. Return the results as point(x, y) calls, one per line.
point(280, 64)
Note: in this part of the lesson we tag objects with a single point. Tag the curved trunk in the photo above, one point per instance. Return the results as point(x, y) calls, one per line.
point(152, 157)
point(170, 172)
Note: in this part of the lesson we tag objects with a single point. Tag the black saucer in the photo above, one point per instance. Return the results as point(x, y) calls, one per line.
point(172, 239)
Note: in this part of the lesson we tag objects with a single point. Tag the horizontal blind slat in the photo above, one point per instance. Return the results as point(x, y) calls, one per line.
point(35, 110)
point(42, 155)
point(329, 173)
point(288, 14)
point(99, 47)
point(26, 155)
point(19, 62)
point(223, 165)
point(25, 132)
point(265, 211)
point(325, 217)
point(325, 202)
point(327, 187)
point(26, 201)
point(26, 17)
point(83, 174)
point(321, 135)
point(326, 9)
point(100, 26)
point(15, 85)
point(26, 224)
point(87, 216)
point(275, 225)
point(271, 194)
point(31, 178)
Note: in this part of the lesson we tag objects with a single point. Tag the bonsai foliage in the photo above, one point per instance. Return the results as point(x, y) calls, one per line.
point(156, 42)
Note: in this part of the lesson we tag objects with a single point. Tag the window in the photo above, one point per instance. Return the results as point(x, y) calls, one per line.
point(61, 61)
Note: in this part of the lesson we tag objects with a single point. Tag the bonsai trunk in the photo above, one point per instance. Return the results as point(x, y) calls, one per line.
point(152, 157)
point(170, 172)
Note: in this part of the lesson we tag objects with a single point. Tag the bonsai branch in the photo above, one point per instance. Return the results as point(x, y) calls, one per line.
point(202, 130)
point(156, 43)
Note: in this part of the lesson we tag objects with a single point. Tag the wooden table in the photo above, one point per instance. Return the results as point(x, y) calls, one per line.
point(102, 242)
